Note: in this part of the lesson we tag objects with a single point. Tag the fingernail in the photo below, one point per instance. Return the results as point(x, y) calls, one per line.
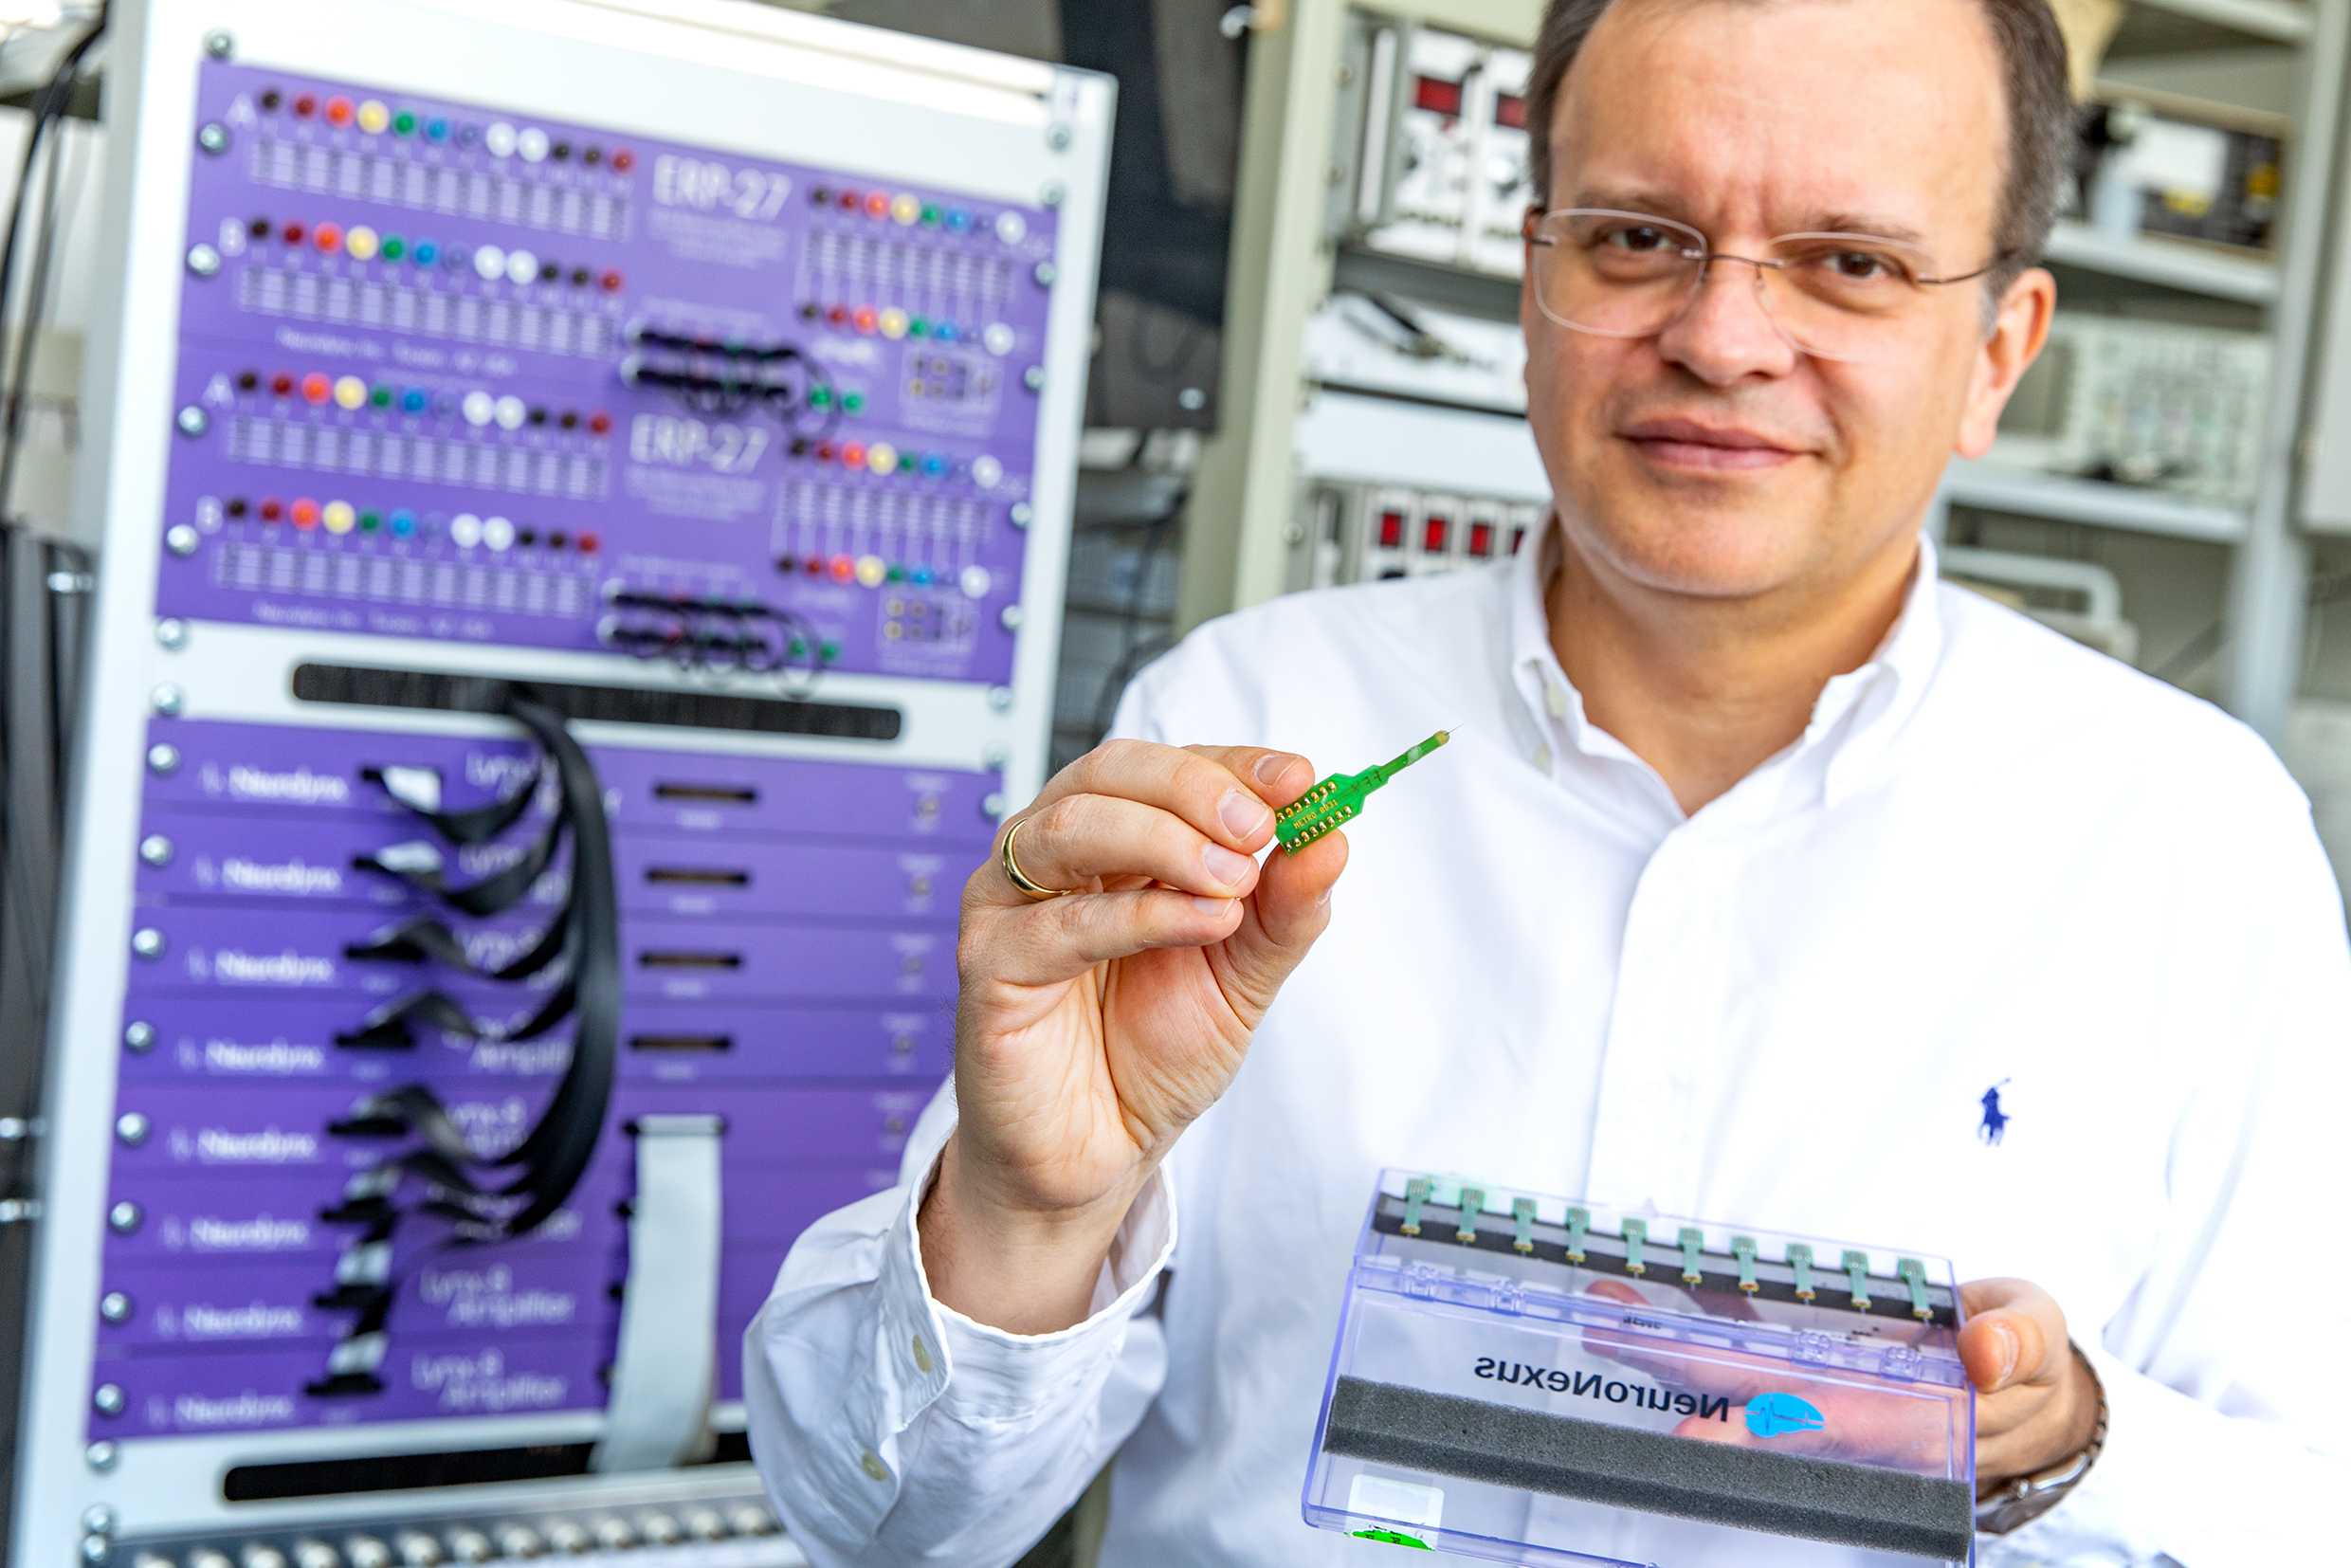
point(1224, 866)
point(2008, 1357)
point(1215, 907)
point(1241, 814)
point(1273, 765)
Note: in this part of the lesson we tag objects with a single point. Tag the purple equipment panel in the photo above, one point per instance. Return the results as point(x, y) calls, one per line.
point(787, 940)
point(443, 374)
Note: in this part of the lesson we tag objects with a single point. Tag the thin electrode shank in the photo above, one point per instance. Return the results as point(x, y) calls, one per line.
point(1626, 1466)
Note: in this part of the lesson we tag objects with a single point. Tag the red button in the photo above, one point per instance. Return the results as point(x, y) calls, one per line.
point(849, 201)
point(852, 456)
point(867, 320)
point(271, 509)
point(305, 106)
point(339, 111)
point(878, 204)
point(328, 237)
point(305, 513)
point(838, 314)
point(816, 566)
point(292, 233)
point(589, 543)
point(281, 384)
point(599, 423)
point(843, 569)
point(624, 160)
point(611, 281)
point(315, 387)
point(823, 451)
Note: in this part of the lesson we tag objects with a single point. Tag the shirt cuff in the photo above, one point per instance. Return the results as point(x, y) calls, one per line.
point(987, 1372)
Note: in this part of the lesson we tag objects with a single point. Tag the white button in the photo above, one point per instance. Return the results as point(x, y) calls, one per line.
point(499, 139)
point(1542, 759)
point(1555, 698)
point(532, 143)
point(465, 530)
point(490, 262)
point(479, 406)
point(997, 339)
point(511, 413)
point(987, 472)
point(521, 266)
point(498, 534)
point(976, 582)
point(1011, 228)
point(872, 1463)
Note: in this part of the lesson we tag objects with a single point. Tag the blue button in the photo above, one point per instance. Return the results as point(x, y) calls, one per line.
point(957, 219)
point(437, 130)
point(921, 576)
point(414, 400)
point(934, 465)
point(403, 524)
point(943, 330)
point(426, 251)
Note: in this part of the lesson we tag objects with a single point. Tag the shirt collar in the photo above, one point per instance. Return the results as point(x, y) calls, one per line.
point(1857, 716)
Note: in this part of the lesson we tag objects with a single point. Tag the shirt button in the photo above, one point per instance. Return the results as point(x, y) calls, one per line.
point(922, 1354)
point(1542, 759)
point(872, 1463)
point(1555, 700)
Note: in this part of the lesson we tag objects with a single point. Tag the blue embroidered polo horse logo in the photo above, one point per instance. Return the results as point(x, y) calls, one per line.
point(1995, 1120)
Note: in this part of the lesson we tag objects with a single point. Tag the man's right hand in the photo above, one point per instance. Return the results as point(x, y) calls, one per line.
point(1092, 1030)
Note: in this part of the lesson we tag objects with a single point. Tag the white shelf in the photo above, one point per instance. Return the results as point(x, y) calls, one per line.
point(2173, 265)
point(1998, 488)
point(2287, 21)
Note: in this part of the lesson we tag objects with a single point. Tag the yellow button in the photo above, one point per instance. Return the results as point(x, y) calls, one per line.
point(872, 1463)
point(881, 458)
point(373, 116)
point(871, 570)
point(338, 515)
point(922, 1354)
point(350, 392)
point(359, 243)
point(893, 322)
point(906, 208)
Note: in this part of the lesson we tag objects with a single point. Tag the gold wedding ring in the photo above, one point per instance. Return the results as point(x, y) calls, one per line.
point(1020, 878)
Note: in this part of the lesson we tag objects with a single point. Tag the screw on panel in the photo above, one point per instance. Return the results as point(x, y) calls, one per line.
point(132, 1128)
point(193, 421)
point(1045, 273)
point(115, 1309)
point(97, 1549)
point(1052, 195)
point(1033, 378)
point(99, 1520)
point(163, 758)
point(180, 539)
point(219, 44)
point(1057, 138)
point(1000, 699)
point(172, 632)
point(1023, 514)
point(1014, 617)
point(102, 1455)
point(147, 942)
point(124, 1217)
point(155, 849)
point(167, 700)
point(203, 259)
point(213, 137)
point(1192, 399)
point(992, 806)
point(109, 1399)
point(993, 758)
point(139, 1035)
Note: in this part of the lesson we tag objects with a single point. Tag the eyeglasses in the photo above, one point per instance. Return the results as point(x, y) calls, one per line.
point(1847, 297)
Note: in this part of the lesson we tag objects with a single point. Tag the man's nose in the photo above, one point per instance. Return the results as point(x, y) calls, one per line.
point(1724, 333)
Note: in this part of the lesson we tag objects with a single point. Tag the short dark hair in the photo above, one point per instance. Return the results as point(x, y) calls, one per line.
point(2040, 116)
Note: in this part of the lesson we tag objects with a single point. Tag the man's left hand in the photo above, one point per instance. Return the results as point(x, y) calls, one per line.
point(2036, 1403)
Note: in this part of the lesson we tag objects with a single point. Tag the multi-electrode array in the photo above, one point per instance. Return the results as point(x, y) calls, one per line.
point(583, 499)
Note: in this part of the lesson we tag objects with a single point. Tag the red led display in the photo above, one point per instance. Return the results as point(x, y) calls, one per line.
point(1391, 530)
point(1436, 94)
point(1518, 537)
point(1481, 540)
point(1433, 534)
point(1510, 109)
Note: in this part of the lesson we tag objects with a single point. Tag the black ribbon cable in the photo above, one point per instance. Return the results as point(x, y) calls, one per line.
point(419, 864)
point(387, 1027)
point(554, 1155)
point(478, 826)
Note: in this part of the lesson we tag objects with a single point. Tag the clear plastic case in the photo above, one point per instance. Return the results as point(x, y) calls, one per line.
point(1535, 1380)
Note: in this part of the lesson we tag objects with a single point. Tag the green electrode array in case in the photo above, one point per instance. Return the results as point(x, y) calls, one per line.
point(1339, 797)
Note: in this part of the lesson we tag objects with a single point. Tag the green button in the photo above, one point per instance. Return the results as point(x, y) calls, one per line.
point(395, 247)
point(799, 648)
point(381, 397)
point(404, 124)
point(820, 397)
point(827, 651)
point(918, 328)
point(853, 402)
point(897, 574)
point(930, 215)
point(367, 521)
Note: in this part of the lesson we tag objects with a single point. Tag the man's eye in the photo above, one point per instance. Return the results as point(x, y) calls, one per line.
point(1639, 240)
point(1862, 267)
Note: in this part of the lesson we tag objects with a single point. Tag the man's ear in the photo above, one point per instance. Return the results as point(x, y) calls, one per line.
point(2020, 328)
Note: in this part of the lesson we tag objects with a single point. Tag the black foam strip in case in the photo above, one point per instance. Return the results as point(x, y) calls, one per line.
point(1655, 1472)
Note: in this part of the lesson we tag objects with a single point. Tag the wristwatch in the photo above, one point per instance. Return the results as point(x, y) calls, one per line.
point(2020, 1502)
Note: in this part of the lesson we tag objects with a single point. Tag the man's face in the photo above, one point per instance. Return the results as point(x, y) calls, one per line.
point(1713, 459)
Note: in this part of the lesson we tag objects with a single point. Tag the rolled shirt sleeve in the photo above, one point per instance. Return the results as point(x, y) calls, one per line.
point(889, 1428)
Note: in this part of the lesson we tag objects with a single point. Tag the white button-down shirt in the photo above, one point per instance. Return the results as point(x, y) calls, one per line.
point(1993, 859)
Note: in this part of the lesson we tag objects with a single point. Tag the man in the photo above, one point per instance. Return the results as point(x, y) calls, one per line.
point(1761, 861)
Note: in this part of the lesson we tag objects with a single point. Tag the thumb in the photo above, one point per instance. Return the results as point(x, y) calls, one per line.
point(1288, 910)
point(2016, 1334)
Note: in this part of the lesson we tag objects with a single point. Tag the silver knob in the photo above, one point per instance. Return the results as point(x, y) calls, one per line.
point(115, 1307)
point(172, 632)
point(102, 1456)
point(212, 136)
point(132, 1128)
point(1014, 617)
point(124, 1217)
point(97, 1549)
point(192, 420)
point(109, 1399)
point(139, 1034)
point(155, 849)
point(168, 699)
point(203, 259)
point(180, 539)
point(147, 942)
point(163, 758)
